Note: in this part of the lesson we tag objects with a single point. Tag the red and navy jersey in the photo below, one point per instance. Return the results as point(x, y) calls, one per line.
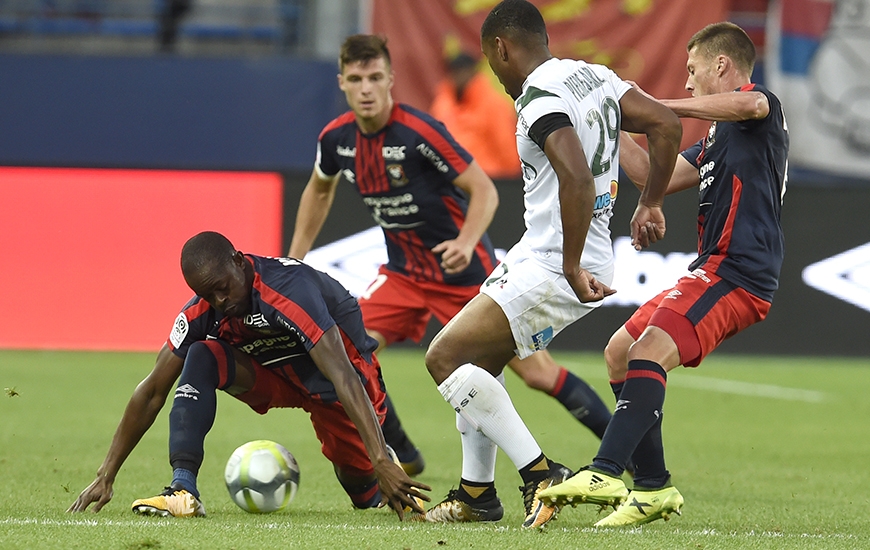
point(405, 174)
point(293, 304)
point(742, 168)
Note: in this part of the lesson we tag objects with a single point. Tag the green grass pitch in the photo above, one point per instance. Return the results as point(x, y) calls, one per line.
point(769, 453)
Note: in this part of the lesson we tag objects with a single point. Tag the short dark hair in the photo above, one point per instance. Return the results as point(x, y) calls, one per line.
point(517, 19)
point(728, 39)
point(362, 47)
point(204, 251)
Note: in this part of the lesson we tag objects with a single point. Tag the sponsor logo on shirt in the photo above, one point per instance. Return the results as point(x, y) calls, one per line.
point(707, 181)
point(346, 151)
point(290, 327)
point(396, 152)
point(433, 157)
point(604, 202)
point(390, 207)
point(256, 320)
point(262, 344)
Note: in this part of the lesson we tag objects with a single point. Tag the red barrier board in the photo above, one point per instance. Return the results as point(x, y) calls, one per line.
point(92, 255)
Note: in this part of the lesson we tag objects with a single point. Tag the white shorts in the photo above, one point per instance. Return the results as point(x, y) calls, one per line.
point(538, 303)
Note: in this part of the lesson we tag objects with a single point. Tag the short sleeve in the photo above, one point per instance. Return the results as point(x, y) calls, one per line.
point(191, 325)
point(691, 154)
point(325, 165)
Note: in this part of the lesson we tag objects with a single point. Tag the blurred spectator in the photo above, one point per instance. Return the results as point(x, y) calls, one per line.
point(171, 12)
point(480, 117)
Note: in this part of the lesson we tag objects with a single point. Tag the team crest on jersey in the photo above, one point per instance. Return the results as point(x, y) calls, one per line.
point(179, 330)
point(397, 175)
point(711, 136)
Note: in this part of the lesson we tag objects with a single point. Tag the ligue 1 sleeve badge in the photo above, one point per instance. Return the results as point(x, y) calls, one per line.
point(179, 330)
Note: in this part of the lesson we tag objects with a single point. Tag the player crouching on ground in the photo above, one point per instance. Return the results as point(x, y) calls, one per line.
point(252, 311)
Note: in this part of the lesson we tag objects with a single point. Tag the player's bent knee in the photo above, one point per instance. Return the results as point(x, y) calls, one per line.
point(439, 362)
point(361, 487)
point(617, 362)
point(616, 354)
point(655, 345)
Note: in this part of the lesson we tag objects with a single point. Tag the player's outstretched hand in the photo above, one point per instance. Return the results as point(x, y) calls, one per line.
point(640, 90)
point(99, 491)
point(647, 226)
point(455, 257)
point(587, 288)
point(399, 489)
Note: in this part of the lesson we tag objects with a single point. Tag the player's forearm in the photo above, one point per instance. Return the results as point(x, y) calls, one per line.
point(633, 160)
point(358, 406)
point(142, 409)
point(576, 200)
point(331, 360)
point(724, 107)
point(313, 209)
point(482, 204)
point(664, 145)
point(481, 210)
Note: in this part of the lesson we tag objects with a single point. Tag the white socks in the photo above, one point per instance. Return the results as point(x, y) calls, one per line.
point(478, 453)
point(486, 406)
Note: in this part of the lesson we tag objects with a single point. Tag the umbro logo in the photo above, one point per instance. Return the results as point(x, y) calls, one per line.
point(187, 391)
point(622, 404)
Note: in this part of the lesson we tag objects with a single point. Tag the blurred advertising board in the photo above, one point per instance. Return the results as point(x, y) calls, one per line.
point(92, 256)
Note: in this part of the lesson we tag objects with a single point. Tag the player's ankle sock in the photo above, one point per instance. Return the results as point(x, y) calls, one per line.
point(478, 453)
point(616, 387)
point(637, 410)
point(535, 470)
point(363, 495)
point(395, 435)
point(185, 479)
point(193, 408)
point(648, 459)
point(581, 401)
point(474, 492)
point(486, 405)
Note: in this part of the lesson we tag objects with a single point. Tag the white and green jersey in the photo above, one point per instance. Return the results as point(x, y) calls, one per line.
point(589, 95)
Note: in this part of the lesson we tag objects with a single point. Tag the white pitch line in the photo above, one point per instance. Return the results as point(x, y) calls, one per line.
point(235, 526)
point(746, 388)
point(722, 385)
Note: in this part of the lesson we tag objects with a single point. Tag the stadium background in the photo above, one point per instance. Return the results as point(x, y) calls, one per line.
point(112, 154)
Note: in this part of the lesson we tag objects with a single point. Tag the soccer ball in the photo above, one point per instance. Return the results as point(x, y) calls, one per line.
point(262, 476)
